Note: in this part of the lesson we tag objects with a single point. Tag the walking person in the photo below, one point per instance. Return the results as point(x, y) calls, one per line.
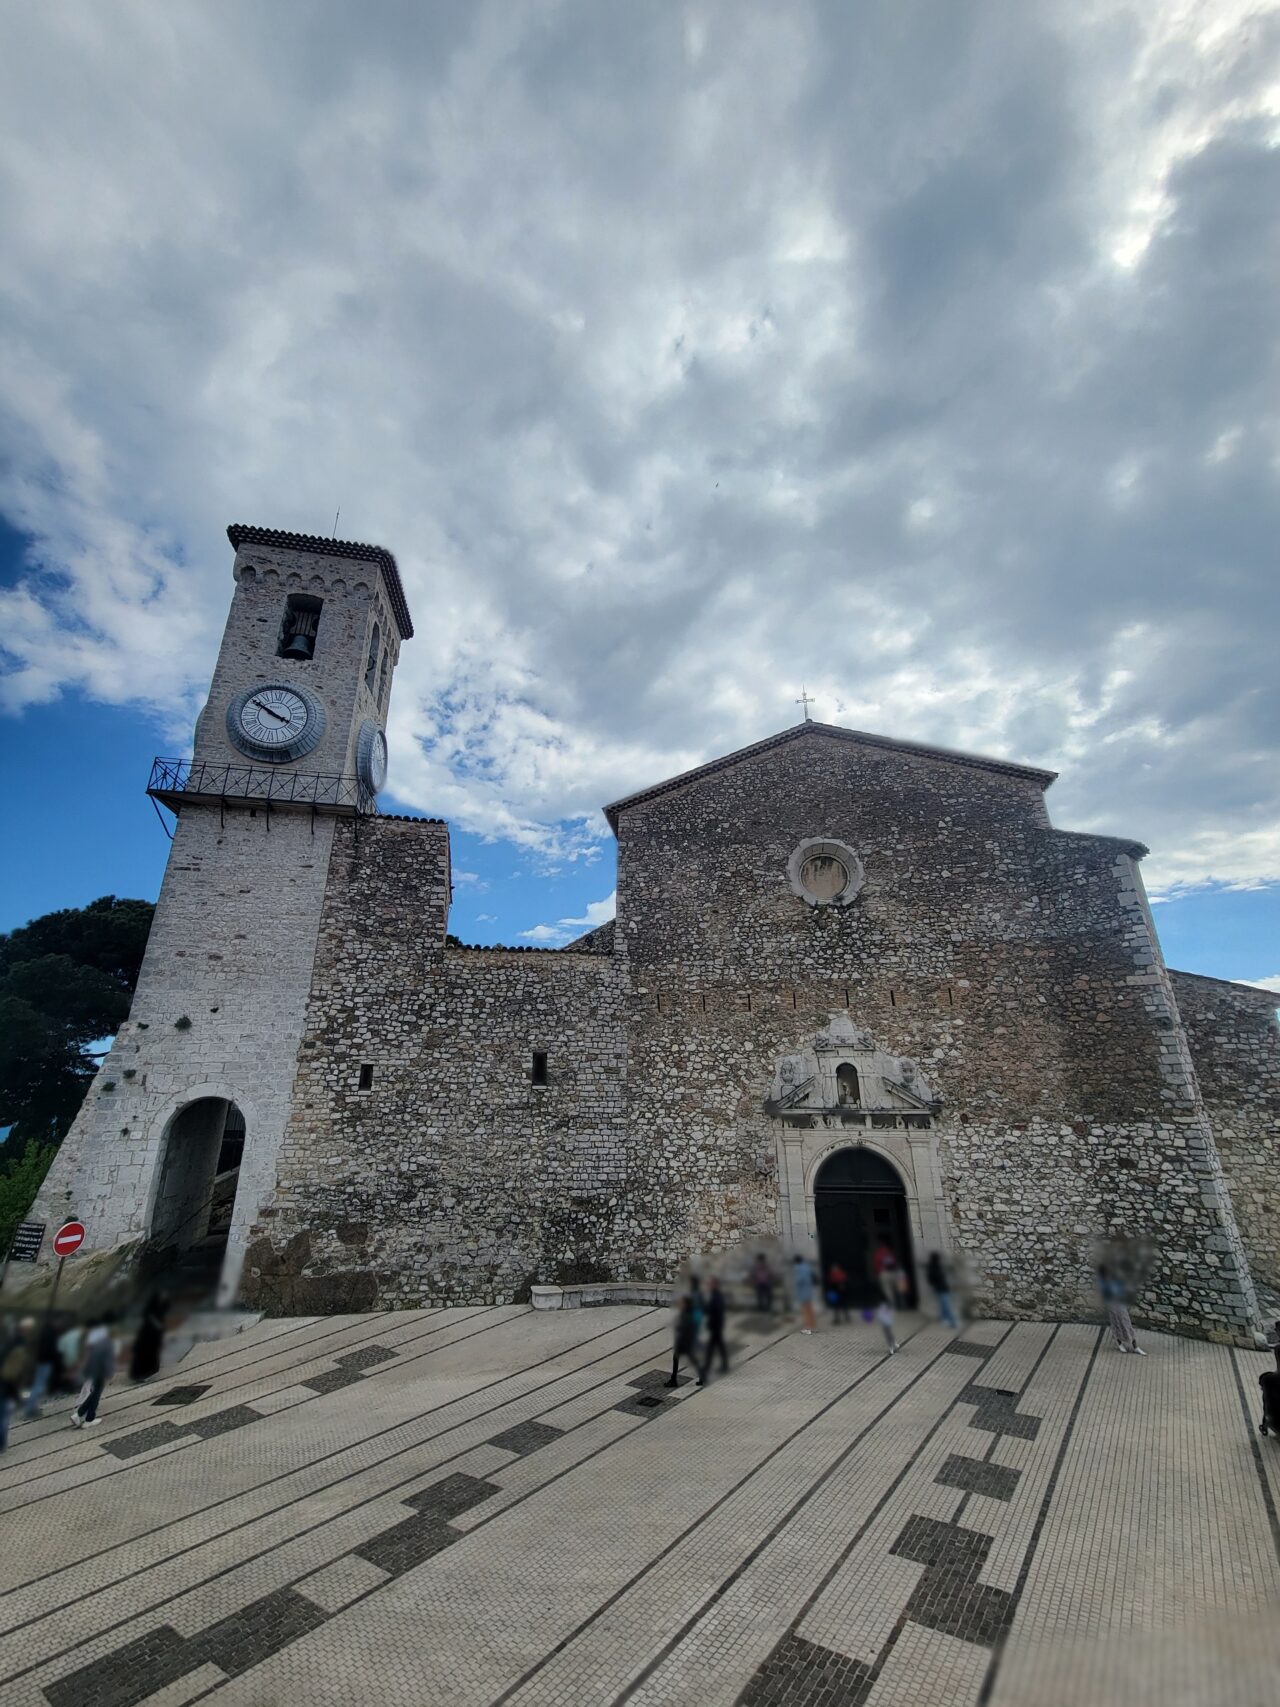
point(1115, 1295)
point(838, 1293)
point(888, 1277)
point(686, 1345)
point(884, 1315)
point(99, 1367)
point(48, 1367)
point(803, 1281)
point(715, 1332)
point(940, 1286)
point(148, 1342)
point(762, 1280)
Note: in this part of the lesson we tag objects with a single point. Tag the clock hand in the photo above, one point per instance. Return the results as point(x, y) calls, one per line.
point(279, 717)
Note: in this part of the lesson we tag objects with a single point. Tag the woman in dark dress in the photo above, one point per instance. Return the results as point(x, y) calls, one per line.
point(149, 1338)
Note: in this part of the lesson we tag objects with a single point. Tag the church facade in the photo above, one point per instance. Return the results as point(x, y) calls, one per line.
point(856, 989)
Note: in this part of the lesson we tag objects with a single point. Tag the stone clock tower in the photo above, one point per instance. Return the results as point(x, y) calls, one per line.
point(176, 1143)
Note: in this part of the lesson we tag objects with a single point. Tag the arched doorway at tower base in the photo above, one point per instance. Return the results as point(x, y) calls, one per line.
point(190, 1221)
point(860, 1201)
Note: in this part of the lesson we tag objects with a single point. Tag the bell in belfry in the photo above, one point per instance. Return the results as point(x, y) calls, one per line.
point(300, 646)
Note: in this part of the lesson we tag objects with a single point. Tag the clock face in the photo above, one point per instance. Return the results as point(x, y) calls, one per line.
point(371, 756)
point(276, 723)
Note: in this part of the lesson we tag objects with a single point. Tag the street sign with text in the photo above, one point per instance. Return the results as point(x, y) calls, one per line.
point(27, 1241)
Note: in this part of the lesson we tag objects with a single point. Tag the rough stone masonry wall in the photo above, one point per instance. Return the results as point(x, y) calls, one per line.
point(1002, 955)
point(1235, 1044)
point(453, 1178)
point(218, 1011)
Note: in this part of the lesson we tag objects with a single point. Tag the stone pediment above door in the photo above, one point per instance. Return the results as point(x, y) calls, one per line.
point(843, 1074)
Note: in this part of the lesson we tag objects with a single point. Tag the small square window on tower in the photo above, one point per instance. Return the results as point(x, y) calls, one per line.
point(366, 1076)
point(538, 1072)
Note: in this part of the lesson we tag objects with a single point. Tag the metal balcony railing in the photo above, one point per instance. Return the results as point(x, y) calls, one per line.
point(175, 780)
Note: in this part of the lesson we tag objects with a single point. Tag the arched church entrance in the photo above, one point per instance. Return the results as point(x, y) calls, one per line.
point(196, 1191)
point(860, 1201)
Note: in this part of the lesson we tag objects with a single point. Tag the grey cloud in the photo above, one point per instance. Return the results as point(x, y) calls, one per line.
point(923, 353)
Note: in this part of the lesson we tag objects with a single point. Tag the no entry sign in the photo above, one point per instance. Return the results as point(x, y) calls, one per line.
point(68, 1238)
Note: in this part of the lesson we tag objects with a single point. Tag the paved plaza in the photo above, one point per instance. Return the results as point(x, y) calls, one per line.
point(488, 1506)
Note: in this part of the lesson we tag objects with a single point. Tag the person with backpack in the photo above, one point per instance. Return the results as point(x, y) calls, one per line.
point(940, 1286)
point(99, 1367)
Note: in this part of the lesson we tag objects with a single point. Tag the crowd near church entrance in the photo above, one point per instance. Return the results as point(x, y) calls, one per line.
point(861, 1202)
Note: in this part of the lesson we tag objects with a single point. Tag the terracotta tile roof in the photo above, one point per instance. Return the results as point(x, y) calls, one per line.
point(798, 732)
point(240, 535)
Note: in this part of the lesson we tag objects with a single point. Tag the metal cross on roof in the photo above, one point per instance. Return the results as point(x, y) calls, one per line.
point(806, 702)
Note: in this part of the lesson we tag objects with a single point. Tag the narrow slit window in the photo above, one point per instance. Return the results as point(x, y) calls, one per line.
point(538, 1072)
point(371, 668)
point(366, 1076)
point(300, 627)
point(382, 679)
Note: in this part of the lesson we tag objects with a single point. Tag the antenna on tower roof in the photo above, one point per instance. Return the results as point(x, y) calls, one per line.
point(336, 514)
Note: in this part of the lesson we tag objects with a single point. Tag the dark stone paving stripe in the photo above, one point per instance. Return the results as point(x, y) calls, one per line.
point(74, 1487)
point(233, 1644)
point(526, 1437)
point(948, 1597)
point(798, 1671)
point(1028, 1558)
point(257, 1631)
point(395, 1550)
point(114, 1412)
point(804, 1498)
point(50, 1659)
point(137, 1398)
point(976, 1476)
point(182, 1395)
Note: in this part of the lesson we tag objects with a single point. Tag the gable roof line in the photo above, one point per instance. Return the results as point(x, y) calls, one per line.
point(976, 760)
point(239, 534)
point(1267, 998)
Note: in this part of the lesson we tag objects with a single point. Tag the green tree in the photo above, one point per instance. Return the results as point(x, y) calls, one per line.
point(65, 981)
point(19, 1183)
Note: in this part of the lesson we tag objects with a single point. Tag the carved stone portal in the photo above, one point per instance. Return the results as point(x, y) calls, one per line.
point(845, 1078)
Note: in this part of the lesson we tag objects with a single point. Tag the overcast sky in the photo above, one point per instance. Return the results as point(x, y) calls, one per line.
point(683, 354)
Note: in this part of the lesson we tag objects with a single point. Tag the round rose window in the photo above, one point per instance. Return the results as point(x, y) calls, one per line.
point(824, 877)
point(825, 873)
